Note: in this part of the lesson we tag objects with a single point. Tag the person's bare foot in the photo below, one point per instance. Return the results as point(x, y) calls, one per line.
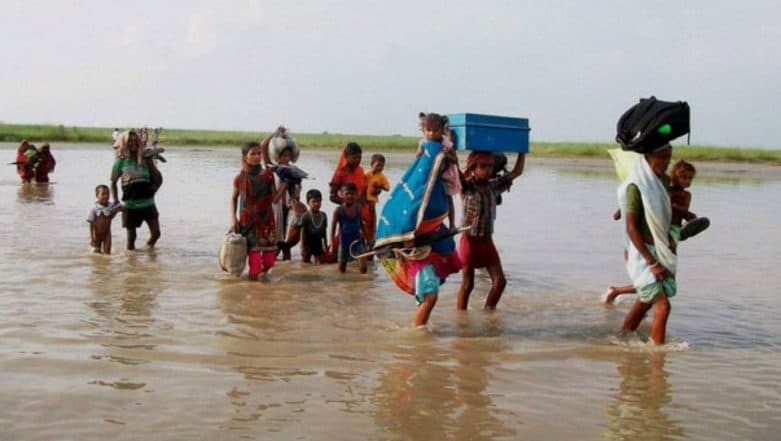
point(609, 296)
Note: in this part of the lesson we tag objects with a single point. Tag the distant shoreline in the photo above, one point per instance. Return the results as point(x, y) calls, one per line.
point(38, 133)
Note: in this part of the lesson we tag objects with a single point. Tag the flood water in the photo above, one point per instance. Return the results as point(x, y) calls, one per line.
point(163, 345)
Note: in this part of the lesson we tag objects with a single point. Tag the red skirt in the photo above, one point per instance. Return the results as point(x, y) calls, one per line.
point(478, 252)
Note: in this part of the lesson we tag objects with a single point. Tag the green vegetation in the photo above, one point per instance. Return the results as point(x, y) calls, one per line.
point(169, 137)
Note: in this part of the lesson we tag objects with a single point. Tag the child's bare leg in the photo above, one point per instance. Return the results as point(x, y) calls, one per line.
point(107, 243)
point(635, 316)
point(424, 309)
point(662, 310)
point(154, 232)
point(467, 283)
point(498, 283)
point(614, 291)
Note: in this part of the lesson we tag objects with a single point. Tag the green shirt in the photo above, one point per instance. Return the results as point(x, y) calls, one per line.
point(137, 189)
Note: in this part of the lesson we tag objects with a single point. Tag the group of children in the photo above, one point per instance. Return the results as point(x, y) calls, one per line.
point(260, 186)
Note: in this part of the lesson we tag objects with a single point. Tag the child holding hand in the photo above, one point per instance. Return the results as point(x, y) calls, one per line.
point(99, 219)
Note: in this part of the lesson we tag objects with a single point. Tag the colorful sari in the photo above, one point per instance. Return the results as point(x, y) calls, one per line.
point(418, 204)
point(256, 216)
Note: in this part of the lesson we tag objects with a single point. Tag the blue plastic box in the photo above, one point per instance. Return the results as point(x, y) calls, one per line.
point(472, 131)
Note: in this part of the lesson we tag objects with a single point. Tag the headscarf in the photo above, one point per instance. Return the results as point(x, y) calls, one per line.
point(356, 176)
point(123, 151)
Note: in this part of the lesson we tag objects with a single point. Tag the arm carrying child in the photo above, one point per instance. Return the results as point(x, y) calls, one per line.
point(684, 223)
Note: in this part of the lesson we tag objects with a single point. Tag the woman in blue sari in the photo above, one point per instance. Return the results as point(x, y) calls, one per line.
point(417, 208)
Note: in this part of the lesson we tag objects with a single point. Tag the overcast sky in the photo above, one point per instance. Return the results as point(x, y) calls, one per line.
point(368, 67)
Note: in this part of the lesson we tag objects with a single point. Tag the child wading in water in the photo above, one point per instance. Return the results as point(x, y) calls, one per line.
point(99, 218)
point(376, 183)
point(254, 192)
point(476, 249)
point(314, 229)
point(681, 177)
point(347, 217)
point(414, 217)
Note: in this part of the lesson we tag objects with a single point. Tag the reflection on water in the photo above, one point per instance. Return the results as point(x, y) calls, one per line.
point(32, 192)
point(643, 406)
point(164, 345)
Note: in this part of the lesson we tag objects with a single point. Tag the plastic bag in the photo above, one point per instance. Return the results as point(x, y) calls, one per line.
point(233, 253)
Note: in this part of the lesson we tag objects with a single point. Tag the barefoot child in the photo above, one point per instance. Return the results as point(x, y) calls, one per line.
point(477, 250)
point(314, 229)
point(347, 217)
point(99, 218)
point(685, 224)
point(254, 193)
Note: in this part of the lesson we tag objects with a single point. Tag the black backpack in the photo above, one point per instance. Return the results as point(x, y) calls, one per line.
point(651, 123)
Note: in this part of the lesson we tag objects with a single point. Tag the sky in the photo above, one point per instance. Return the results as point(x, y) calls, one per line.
point(369, 67)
